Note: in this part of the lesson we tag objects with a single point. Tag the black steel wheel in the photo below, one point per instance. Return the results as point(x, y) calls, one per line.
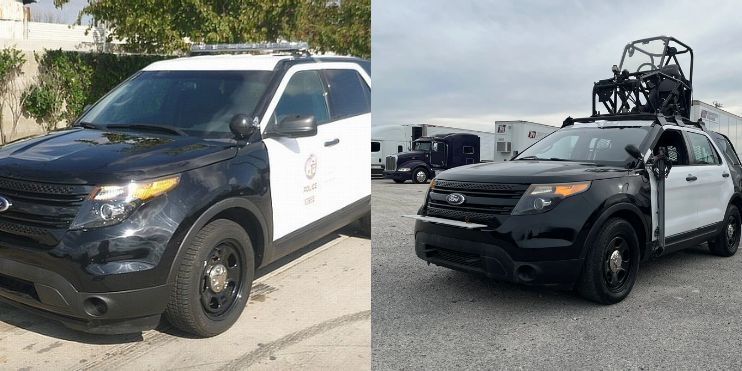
point(727, 242)
point(213, 280)
point(611, 263)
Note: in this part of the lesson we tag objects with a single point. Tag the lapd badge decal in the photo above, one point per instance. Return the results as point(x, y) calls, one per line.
point(310, 167)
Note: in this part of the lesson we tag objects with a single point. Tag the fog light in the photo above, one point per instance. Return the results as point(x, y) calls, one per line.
point(541, 203)
point(95, 306)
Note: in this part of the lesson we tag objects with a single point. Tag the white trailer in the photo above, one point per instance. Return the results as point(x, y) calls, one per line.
point(387, 140)
point(512, 137)
point(718, 120)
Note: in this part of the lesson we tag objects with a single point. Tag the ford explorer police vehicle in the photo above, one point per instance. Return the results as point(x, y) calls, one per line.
point(168, 193)
point(584, 206)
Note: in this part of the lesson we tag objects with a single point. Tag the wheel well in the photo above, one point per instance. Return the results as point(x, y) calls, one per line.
point(638, 225)
point(251, 225)
point(737, 201)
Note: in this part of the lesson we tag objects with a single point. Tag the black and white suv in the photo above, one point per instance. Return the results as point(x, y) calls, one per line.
point(169, 193)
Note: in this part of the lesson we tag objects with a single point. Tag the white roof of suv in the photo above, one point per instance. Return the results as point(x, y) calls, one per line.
point(222, 62)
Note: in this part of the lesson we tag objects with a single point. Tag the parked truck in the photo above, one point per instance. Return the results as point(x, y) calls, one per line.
point(506, 140)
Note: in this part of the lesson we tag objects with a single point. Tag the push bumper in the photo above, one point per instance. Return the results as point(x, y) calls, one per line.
point(48, 294)
point(487, 252)
point(398, 175)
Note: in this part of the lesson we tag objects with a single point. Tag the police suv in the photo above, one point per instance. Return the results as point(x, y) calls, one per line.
point(168, 193)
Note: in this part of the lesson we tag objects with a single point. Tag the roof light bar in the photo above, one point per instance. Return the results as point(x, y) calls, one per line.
point(249, 47)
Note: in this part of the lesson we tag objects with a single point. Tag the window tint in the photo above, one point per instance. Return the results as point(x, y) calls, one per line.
point(468, 150)
point(347, 95)
point(675, 149)
point(304, 96)
point(726, 147)
point(703, 152)
point(375, 146)
point(399, 149)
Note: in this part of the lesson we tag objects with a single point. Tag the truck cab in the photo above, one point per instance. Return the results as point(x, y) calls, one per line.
point(431, 154)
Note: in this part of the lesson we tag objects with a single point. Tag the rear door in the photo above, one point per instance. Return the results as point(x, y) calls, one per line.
point(712, 189)
point(346, 135)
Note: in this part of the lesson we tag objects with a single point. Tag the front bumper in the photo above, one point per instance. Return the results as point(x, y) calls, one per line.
point(49, 294)
point(495, 254)
point(398, 175)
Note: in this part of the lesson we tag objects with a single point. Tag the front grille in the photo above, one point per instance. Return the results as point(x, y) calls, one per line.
point(455, 257)
point(39, 211)
point(483, 202)
point(391, 163)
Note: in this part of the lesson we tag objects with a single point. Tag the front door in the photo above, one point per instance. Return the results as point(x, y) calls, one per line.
point(297, 167)
point(681, 208)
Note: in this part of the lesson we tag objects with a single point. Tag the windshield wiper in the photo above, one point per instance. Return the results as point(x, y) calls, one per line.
point(165, 128)
point(542, 159)
point(88, 125)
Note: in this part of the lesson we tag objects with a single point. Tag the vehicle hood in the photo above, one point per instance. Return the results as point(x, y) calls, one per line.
point(527, 171)
point(88, 156)
point(411, 155)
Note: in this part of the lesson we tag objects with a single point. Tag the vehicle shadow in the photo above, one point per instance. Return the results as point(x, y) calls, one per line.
point(454, 287)
point(14, 319)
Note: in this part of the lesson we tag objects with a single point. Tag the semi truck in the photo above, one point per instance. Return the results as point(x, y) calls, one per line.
point(506, 140)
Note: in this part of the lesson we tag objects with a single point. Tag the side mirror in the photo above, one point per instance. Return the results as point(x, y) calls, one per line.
point(241, 126)
point(634, 152)
point(295, 126)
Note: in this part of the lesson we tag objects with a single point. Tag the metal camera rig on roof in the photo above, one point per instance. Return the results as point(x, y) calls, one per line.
point(655, 75)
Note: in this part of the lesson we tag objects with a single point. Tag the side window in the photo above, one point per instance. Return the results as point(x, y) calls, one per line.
point(304, 96)
point(674, 144)
point(468, 150)
point(399, 149)
point(703, 152)
point(726, 146)
point(375, 146)
point(347, 95)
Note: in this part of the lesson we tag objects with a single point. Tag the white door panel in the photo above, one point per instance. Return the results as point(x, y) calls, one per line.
point(353, 182)
point(681, 208)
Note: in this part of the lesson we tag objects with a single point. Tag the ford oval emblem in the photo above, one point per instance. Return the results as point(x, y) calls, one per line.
point(5, 204)
point(455, 199)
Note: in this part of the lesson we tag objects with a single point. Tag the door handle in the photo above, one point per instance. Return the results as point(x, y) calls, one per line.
point(331, 143)
point(691, 178)
point(725, 175)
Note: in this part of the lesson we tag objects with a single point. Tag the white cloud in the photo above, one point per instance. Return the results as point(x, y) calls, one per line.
point(475, 62)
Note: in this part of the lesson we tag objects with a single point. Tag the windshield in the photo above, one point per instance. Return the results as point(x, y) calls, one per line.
point(199, 103)
point(644, 56)
point(602, 146)
point(421, 146)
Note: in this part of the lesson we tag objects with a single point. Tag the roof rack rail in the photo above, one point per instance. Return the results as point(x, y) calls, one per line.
point(676, 120)
point(293, 47)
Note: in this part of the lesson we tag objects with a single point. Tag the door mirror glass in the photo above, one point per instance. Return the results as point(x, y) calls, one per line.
point(295, 126)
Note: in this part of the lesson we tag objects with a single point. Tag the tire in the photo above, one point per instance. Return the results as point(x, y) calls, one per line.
point(727, 242)
point(419, 175)
point(607, 278)
point(398, 181)
point(207, 308)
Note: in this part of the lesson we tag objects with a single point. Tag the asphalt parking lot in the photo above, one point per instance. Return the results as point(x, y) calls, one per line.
point(684, 311)
point(311, 313)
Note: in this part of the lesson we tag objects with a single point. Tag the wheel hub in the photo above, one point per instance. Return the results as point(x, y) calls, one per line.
point(420, 176)
point(614, 262)
point(218, 278)
point(730, 231)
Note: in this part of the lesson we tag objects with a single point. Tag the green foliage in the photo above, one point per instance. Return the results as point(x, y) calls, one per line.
point(151, 26)
point(68, 81)
point(11, 65)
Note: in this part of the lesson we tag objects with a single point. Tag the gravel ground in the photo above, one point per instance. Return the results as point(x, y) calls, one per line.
point(683, 313)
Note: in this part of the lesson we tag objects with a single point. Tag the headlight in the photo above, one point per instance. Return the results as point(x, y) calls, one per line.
point(405, 169)
point(111, 204)
point(541, 198)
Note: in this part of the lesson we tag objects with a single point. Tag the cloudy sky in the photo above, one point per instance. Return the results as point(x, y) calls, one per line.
point(469, 63)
